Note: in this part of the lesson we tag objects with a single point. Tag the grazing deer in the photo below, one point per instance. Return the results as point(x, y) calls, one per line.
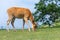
point(24, 13)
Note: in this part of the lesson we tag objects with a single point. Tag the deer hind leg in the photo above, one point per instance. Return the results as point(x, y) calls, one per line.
point(23, 24)
point(8, 21)
point(26, 21)
point(12, 23)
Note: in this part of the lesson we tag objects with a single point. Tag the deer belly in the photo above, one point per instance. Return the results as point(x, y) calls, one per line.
point(19, 16)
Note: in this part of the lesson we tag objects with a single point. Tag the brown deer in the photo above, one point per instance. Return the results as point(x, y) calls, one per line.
point(24, 13)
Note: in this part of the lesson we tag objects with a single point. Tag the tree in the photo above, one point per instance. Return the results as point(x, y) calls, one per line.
point(44, 7)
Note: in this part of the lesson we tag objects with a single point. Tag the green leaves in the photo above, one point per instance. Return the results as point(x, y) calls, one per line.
point(51, 8)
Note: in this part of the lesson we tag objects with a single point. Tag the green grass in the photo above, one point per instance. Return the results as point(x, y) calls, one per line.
point(40, 34)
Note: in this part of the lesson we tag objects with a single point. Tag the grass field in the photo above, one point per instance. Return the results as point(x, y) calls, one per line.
point(40, 34)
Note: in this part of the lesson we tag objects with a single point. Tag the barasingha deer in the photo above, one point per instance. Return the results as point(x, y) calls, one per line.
point(24, 13)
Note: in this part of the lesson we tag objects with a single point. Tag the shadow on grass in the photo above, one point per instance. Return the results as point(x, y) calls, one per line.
point(57, 26)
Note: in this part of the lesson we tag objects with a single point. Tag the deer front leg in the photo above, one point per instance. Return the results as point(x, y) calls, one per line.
point(26, 21)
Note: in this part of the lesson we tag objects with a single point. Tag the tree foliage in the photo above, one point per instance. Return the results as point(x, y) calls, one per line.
point(44, 7)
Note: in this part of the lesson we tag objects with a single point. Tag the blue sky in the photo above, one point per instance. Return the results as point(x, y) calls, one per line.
point(5, 4)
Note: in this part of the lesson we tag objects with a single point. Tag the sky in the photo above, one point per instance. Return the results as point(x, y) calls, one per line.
point(5, 4)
